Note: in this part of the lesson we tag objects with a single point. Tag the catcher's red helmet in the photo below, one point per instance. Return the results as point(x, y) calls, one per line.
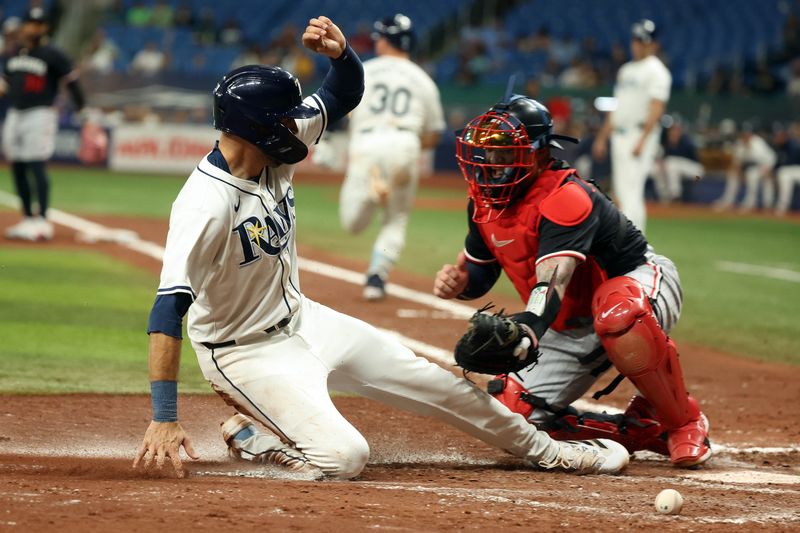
point(501, 151)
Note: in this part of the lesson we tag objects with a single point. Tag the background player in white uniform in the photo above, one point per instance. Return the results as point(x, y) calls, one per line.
point(31, 79)
point(231, 260)
point(754, 159)
point(642, 91)
point(679, 160)
point(400, 114)
point(787, 168)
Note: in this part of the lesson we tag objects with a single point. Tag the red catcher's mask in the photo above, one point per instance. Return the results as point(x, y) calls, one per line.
point(498, 160)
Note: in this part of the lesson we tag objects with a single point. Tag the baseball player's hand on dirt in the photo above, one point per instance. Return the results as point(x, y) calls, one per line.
point(162, 440)
point(324, 37)
point(451, 280)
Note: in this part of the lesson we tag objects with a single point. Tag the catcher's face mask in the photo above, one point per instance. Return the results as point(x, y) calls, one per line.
point(497, 159)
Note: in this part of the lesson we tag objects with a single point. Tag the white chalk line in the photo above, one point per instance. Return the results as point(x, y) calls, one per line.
point(156, 251)
point(783, 274)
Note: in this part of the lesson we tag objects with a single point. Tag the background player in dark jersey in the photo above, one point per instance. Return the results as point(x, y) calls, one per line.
point(31, 80)
point(533, 217)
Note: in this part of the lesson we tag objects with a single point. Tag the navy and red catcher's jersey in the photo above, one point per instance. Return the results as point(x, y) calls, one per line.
point(33, 76)
point(560, 214)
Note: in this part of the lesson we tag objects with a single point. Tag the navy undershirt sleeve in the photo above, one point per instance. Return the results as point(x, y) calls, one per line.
point(482, 276)
point(167, 314)
point(343, 86)
point(481, 279)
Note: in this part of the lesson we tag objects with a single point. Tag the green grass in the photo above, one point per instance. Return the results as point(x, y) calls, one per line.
point(742, 314)
point(75, 321)
point(97, 191)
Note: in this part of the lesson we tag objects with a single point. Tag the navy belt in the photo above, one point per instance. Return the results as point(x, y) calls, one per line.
point(213, 345)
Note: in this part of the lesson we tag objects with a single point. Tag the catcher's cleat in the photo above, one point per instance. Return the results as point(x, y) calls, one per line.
point(689, 444)
point(375, 288)
point(596, 456)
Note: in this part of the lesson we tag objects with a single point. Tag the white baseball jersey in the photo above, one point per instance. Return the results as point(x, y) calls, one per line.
point(231, 246)
point(398, 95)
point(757, 152)
point(637, 83)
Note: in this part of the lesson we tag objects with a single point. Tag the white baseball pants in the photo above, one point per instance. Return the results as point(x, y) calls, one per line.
point(282, 379)
point(629, 173)
point(383, 172)
point(756, 178)
point(673, 170)
point(787, 177)
point(30, 134)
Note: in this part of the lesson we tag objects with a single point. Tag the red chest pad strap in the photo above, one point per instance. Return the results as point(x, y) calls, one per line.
point(569, 205)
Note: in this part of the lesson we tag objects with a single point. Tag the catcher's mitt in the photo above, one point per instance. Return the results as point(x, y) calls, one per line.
point(496, 344)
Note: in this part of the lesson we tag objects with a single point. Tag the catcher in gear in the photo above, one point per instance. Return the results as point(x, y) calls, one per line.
point(596, 293)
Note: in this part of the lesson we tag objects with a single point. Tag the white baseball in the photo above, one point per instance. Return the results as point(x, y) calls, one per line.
point(669, 501)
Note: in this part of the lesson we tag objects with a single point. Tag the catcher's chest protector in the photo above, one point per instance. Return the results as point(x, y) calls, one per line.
point(513, 239)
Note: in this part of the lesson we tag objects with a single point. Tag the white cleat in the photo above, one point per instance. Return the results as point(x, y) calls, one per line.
point(25, 230)
point(246, 442)
point(31, 229)
point(596, 456)
point(44, 229)
point(234, 425)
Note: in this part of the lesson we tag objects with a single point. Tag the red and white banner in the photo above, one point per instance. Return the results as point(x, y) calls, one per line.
point(160, 148)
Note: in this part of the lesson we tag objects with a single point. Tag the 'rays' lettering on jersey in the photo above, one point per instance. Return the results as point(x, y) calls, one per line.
point(270, 235)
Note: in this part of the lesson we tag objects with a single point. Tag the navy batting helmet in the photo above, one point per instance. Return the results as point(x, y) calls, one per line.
point(645, 31)
point(398, 30)
point(504, 149)
point(256, 103)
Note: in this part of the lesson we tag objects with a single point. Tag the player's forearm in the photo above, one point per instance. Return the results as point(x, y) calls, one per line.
point(430, 139)
point(654, 113)
point(544, 303)
point(164, 357)
point(560, 266)
point(164, 363)
point(605, 129)
point(482, 278)
point(343, 86)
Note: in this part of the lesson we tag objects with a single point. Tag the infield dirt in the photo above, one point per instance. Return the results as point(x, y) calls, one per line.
point(65, 460)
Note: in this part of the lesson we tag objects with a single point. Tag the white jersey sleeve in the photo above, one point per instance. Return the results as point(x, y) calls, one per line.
point(434, 115)
point(309, 130)
point(763, 154)
point(659, 81)
point(193, 241)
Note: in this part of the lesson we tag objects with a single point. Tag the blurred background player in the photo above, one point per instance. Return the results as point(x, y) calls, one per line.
point(787, 169)
point(679, 160)
point(31, 79)
point(400, 115)
point(642, 90)
point(754, 160)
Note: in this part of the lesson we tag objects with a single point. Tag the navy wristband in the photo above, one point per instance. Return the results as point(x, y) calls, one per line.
point(164, 398)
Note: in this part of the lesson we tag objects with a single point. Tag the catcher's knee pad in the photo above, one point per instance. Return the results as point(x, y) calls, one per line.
point(638, 347)
point(510, 393)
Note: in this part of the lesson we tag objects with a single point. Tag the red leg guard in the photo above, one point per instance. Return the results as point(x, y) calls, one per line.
point(641, 351)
